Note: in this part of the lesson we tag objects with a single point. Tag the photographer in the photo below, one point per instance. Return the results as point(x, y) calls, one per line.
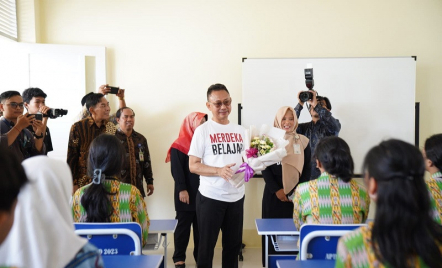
point(13, 127)
point(323, 124)
point(105, 89)
point(34, 101)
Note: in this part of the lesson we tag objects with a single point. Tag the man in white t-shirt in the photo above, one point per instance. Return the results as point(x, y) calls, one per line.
point(215, 154)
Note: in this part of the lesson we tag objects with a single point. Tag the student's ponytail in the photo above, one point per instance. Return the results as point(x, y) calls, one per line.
point(106, 156)
point(335, 157)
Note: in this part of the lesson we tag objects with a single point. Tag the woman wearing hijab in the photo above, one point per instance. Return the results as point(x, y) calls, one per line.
point(43, 232)
point(186, 188)
point(107, 199)
point(282, 178)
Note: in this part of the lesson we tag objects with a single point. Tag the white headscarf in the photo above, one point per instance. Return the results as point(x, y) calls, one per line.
point(43, 232)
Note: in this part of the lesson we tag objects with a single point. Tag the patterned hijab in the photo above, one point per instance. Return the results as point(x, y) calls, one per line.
point(292, 163)
point(190, 123)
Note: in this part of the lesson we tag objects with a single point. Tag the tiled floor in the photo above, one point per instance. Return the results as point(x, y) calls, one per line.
point(252, 258)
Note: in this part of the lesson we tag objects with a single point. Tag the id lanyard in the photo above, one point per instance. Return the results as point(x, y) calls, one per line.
point(141, 153)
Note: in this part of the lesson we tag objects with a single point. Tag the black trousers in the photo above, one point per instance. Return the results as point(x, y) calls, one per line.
point(182, 235)
point(213, 215)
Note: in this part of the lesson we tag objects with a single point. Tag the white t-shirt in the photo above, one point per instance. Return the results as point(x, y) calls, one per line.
point(219, 145)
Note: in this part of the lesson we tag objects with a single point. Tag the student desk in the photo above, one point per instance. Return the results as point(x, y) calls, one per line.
point(305, 264)
point(144, 261)
point(163, 227)
point(278, 227)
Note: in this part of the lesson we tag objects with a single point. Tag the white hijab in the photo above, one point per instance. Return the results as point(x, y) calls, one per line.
point(43, 233)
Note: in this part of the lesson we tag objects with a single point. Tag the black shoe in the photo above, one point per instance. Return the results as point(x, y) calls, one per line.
point(180, 265)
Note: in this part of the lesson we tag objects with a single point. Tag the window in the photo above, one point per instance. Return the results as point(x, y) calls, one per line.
point(8, 19)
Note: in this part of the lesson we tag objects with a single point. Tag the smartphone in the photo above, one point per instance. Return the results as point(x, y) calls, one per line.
point(113, 90)
point(37, 116)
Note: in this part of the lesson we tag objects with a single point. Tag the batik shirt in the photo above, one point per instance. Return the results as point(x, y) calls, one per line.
point(326, 126)
point(127, 205)
point(81, 136)
point(355, 249)
point(329, 200)
point(138, 163)
point(434, 185)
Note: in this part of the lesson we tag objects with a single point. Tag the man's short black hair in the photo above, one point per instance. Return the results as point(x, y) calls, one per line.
point(31, 92)
point(12, 178)
point(8, 94)
point(327, 101)
point(92, 100)
point(83, 100)
point(120, 111)
point(215, 87)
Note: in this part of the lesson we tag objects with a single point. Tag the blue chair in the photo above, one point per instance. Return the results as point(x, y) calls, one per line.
point(319, 241)
point(119, 238)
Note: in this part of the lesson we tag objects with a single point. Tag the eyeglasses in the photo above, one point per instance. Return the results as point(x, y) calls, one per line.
point(15, 105)
point(219, 104)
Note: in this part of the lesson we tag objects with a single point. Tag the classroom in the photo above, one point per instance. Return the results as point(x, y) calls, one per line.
point(166, 53)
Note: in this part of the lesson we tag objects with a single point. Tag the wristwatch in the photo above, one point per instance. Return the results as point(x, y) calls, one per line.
point(39, 137)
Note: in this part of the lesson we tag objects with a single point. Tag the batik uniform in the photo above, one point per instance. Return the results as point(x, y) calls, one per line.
point(434, 185)
point(81, 136)
point(356, 249)
point(138, 163)
point(329, 200)
point(127, 205)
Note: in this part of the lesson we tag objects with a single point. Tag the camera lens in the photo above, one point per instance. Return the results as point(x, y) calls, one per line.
point(305, 96)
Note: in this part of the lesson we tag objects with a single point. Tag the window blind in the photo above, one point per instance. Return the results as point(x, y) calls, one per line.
point(8, 19)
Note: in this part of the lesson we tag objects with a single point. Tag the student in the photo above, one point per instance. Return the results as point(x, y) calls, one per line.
point(433, 163)
point(215, 154)
point(403, 233)
point(186, 188)
point(333, 198)
point(282, 178)
point(43, 233)
point(107, 199)
point(12, 178)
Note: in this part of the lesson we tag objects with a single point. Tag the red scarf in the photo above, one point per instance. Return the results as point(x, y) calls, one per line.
point(190, 123)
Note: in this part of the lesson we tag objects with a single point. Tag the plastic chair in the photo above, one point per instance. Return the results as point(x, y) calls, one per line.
point(119, 238)
point(319, 241)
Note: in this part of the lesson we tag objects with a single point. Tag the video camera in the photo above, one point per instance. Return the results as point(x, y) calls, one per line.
point(309, 82)
point(54, 113)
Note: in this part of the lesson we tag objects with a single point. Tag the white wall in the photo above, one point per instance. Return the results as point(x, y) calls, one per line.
point(166, 53)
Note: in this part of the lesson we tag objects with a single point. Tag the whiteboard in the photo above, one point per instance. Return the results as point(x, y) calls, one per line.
point(373, 98)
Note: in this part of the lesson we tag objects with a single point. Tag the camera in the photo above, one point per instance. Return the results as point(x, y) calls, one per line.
point(309, 82)
point(37, 116)
point(113, 90)
point(54, 113)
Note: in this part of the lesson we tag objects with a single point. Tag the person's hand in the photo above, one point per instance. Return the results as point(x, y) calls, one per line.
point(44, 109)
point(184, 196)
point(150, 189)
point(38, 127)
point(281, 195)
point(225, 172)
point(23, 121)
point(104, 89)
point(313, 102)
point(299, 100)
point(120, 94)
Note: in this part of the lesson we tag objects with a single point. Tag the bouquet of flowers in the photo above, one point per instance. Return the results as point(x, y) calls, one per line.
point(265, 147)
